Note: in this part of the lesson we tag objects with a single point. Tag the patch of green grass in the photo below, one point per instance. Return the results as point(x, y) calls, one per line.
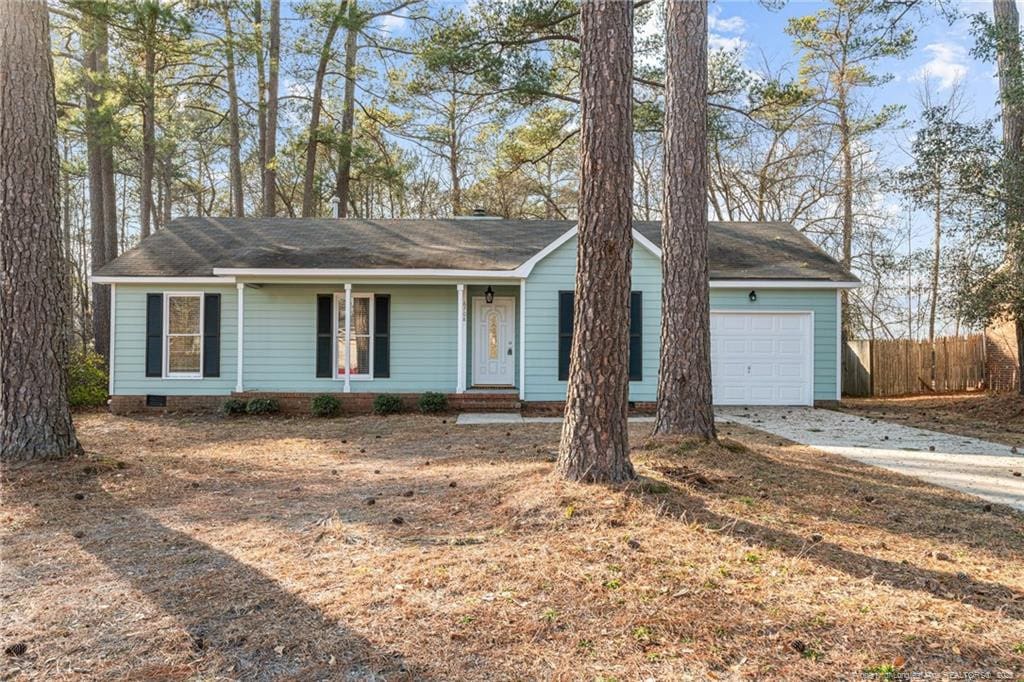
point(613, 584)
point(585, 645)
point(812, 654)
point(1018, 648)
point(550, 615)
point(752, 558)
point(652, 487)
point(643, 634)
point(885, 671)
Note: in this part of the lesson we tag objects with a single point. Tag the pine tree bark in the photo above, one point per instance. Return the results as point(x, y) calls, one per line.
point(312, 143)
point(261, 94)
point(270, 145)
point(684, 376)
point(1011, 81)
point(35, 420)
point(98, 151)
point(595, 441)
point(148, 123)
point(344, 180)
point(234, 133)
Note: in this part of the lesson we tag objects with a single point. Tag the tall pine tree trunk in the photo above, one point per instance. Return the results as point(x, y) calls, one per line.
point(270, 145)
point(684, 376)
point(261, 93)
point(148, 125)
point(98, 143)
point(234, 134)
point(846, 199)
point(1011, 80)
point(35, 420)
point(312, 143)
point(595, 440)
point(344, 180)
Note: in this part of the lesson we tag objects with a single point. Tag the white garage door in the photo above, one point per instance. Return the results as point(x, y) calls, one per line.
point(761, 358)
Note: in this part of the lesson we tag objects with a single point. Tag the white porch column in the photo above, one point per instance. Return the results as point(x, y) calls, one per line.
point(522, 339)
point(113, 334)
point(348, 337)
point(460, 334)
point(239, 384)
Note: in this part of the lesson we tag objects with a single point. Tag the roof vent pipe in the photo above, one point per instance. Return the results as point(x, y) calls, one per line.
point(337, 206)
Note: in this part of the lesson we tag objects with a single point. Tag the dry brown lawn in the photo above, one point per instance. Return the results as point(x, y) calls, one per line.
point(997, 417)
point(408, 548)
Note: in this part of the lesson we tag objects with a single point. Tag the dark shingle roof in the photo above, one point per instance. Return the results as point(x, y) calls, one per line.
point(192, 247)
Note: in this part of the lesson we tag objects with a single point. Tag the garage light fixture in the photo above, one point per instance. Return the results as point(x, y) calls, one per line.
point(752, 296)
point(489, 295)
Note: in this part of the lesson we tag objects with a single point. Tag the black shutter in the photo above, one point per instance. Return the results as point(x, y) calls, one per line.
point(154, 335)
point(381, 336)
point(636, 336)
point(565, 305)
point(324, 334)
point(211, 335)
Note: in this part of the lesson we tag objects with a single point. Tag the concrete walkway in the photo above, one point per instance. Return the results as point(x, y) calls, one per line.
point(969, 465)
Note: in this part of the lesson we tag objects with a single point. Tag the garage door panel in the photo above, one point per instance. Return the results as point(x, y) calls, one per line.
point(761, 358)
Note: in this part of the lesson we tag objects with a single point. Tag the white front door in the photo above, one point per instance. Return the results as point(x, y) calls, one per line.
point(494, 328)
point(762, 358)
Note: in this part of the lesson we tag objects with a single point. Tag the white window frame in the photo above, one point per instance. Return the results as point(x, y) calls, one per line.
point(339, 335)
point(168, 295)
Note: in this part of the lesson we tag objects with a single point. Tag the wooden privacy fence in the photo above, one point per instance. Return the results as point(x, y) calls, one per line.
point(905, 367)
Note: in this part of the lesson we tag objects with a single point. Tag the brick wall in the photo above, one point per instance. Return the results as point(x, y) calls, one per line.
point(299, 403)
point(1002, 370)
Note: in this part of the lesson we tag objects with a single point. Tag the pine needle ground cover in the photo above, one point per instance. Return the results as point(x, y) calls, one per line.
point(997, 417)
point(406, 548)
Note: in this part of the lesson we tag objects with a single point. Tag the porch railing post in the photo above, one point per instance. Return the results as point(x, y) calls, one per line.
point(460, 360)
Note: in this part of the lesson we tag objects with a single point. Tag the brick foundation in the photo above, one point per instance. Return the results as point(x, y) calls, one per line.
point(555, 408)
point(299, 404)
point(1002, 369)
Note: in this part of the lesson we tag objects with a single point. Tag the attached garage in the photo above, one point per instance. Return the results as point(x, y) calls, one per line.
point(762, 358)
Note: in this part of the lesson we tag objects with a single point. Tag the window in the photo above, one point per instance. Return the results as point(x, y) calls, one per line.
point(183, 340)
point(360, 344)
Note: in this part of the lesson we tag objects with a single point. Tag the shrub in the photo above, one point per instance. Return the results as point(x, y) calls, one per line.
point(387, 403)
point(326, 406)
point(233, 406)
point(87, 380)
point(262, 406)
point(433, 402)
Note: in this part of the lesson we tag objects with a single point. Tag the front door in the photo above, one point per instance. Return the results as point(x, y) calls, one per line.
point(494, 328)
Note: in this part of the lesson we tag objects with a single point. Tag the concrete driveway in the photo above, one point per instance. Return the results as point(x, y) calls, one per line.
point(969, 465)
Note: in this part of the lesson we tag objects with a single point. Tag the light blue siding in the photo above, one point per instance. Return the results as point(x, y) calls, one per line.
point(130, 343)
point(280, 333)
point(557, 273)
point(280, 338)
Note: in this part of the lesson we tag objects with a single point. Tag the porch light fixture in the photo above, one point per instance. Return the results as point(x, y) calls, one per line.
point(752, 296)
point(489, 295)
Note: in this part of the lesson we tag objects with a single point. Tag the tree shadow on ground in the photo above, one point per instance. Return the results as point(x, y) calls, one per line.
point(958, 587)
point(232, 612)
point(835, 489)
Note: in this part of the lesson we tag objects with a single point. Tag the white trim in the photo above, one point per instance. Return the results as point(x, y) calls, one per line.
point(168, 295)
point(460, 372)
point(99, 279)
point(522, 338)
point(646, 243)
point(113, 335)
point(781, 284)
point(240, 304)
point(363, 272)
point(839, 345)
point(810, 333)
point(525, 269)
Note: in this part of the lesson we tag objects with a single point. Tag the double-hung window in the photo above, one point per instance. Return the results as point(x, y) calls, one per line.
point(360, 341)
point(183, 339)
